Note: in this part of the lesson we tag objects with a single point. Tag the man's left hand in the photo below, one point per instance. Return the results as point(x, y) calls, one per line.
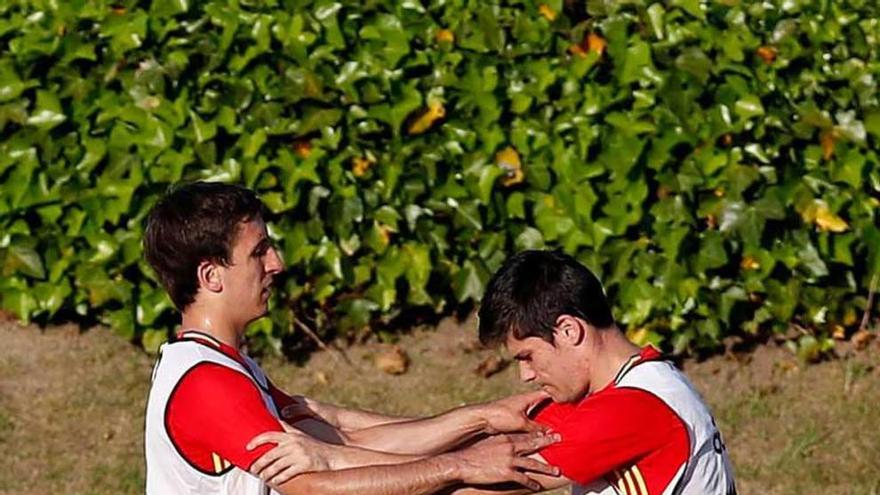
point(510, 414)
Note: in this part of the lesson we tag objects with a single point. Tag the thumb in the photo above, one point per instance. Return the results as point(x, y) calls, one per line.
point(257, 441)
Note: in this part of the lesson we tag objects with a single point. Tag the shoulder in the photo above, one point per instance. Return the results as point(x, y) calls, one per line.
point(617, 407)
point(209, 383)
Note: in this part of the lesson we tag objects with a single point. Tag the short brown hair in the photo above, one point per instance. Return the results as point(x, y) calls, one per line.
point(534, 288)
point(192, 223)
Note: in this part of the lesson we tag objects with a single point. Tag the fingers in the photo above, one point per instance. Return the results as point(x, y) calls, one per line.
point(265, 460)
point(525, 481)
point(535, 427)
point(270, 471)
point(527, 444)
point(534, 465)
point(263, 438)
point(285, 475)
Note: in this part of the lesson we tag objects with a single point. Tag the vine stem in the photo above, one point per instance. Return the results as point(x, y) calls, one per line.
point(320, 343)
point(872, 291)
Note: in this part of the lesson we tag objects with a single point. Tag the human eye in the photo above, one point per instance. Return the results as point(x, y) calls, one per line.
point(261, 249)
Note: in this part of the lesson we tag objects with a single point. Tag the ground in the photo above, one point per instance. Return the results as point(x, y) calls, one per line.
point(72, 406)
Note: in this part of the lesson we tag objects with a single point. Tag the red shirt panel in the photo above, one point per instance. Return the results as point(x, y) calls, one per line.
point(613, 430)
point(214, 412)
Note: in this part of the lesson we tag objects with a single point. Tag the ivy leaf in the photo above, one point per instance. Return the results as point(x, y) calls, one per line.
point(469, 281)
point(24, 260)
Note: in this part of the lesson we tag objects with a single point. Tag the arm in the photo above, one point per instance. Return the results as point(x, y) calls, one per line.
point(416, 478)
point(296, 407)
point(446, 431)
point(350, 419)
point(502, 459)
point(294, 448)
point(547, 483)
point(214, 412)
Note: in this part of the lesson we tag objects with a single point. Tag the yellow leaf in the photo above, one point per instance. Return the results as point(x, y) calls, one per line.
point(749, 263)
point(827, 141)
point(508, 160)
point(361, 164)
point(767, 54)
point(577, 50)
point(850, 317)
point(302, 149)
point(445, 36)
point(638, 336)
point(393, 361)
point(830, 222)
point(596, 43)
point(433, 113)
point(547, 12)
point(819, 214)
point(384, 234)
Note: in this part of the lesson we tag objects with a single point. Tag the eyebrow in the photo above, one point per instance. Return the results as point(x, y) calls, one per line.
point(521, 355)
point(264, 242)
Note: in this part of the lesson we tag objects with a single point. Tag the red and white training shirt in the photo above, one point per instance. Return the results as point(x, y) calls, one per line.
point(646, 433)
point(206, 402)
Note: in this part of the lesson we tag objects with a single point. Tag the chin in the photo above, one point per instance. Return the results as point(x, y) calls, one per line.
point(565, 398)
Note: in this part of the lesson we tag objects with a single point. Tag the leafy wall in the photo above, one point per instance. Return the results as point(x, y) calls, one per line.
point(715, 162)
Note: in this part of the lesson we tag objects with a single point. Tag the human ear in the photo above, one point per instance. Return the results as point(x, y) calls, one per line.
point(570, 330)
point(209, 276)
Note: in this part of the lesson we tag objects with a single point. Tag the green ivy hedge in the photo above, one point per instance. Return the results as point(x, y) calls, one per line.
point(714, 162)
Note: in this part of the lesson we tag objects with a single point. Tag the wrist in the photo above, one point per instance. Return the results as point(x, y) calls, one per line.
point(478, 419)
point(449, 468)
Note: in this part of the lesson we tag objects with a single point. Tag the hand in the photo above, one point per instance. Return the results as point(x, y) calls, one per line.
point(504, 458)
point(511, 413)
point(295, 453)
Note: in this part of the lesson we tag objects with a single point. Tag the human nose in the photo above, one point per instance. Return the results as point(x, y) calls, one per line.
point(273, 262)
point(526, 374)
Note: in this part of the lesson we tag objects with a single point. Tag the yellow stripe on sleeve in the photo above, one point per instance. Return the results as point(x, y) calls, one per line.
point(640, 480)
point(629, 482)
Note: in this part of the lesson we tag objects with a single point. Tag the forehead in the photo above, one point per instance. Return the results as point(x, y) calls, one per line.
point(528, 344)
point(249, 233)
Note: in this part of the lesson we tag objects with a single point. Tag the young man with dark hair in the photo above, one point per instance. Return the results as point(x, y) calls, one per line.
point(209, 245)
point(631, 423)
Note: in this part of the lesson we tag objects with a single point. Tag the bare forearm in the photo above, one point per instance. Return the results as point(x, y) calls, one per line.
point(352, 419)
point(421, 436)
point(412, 478)
point(499, 489)
point(346, 457)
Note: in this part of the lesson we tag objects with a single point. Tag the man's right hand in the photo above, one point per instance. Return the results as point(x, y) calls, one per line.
point(504, 458)
point(295, 453)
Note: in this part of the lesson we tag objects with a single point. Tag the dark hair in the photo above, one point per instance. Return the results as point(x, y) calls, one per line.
point(532, 289)
point(192, 223)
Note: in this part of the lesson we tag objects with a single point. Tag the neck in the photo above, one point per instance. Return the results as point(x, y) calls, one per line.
point(612, 352)
point(197, 317)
